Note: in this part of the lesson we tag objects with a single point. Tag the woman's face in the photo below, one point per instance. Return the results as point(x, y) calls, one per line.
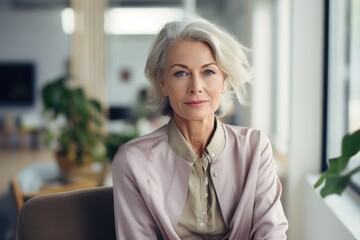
point(192, 80)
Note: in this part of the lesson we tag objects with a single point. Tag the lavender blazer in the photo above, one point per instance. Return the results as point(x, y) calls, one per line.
point(151, 182)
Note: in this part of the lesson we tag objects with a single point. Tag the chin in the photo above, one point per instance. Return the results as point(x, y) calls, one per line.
point(196, 117)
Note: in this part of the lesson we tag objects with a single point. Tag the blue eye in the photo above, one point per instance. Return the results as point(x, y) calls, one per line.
point(208, 72)
point(180, 74)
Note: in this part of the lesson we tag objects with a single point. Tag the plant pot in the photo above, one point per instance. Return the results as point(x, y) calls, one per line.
point(72, 171)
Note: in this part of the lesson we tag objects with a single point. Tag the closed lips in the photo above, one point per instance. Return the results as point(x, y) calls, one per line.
point(196, 102)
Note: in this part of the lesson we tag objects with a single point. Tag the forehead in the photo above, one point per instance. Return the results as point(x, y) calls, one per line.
point(189, 51)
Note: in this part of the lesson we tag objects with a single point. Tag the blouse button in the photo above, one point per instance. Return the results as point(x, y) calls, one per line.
point(202, 224)
point(215, 174)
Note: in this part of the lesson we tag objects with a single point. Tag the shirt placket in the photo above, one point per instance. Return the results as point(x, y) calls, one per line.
point(202, 165)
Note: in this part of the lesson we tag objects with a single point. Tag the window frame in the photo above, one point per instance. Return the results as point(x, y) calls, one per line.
point(336, 80)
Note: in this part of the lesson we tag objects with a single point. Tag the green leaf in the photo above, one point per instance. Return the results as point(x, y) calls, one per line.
point(321, 180)
point(334, 181)
point(351, 144)
point(335, 184)
point(96, 105)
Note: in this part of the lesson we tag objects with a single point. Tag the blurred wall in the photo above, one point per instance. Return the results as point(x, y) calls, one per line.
point(306, 107)
point(126, 55)
point(34, 35)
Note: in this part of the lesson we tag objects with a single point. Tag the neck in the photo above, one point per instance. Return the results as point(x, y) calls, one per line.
point(196, 133)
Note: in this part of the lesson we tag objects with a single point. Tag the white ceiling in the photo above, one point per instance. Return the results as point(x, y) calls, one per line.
point(55, 3)
point(49, 3)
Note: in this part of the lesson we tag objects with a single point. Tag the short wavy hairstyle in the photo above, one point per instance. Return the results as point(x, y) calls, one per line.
point(229, 53)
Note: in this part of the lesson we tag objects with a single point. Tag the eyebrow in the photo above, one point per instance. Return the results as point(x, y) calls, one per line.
point(184, 66)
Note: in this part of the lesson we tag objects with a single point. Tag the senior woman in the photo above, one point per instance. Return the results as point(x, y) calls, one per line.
point(196, 177)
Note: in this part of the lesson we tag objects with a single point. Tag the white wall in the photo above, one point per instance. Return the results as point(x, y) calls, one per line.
point(34, 35)
point(237, 17)
point(126, 52)
point(305, 107)
point(262, 32)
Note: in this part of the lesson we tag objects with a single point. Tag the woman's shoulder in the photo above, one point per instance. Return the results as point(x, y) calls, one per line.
point(139, 152)
point(248, 133)
point(250, 141)
point(147, 140)
point(140, 148)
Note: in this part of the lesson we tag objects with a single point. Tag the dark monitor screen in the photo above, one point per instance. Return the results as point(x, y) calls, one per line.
point(17, 84)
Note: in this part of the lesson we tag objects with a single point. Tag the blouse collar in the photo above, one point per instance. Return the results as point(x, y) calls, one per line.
point(181, 147)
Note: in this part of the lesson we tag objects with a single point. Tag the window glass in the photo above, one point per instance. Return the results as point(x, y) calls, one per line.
point(354, 67)
point(354, 78)
point(343, 81)
point(281, 77)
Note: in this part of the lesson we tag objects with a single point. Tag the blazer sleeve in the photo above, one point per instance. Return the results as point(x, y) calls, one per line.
point(132, 217)
point(269, 221)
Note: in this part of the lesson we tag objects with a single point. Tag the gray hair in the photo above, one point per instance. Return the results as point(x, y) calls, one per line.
point(228, 52)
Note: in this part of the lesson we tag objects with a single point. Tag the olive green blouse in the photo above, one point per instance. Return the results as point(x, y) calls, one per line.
point(201, 217)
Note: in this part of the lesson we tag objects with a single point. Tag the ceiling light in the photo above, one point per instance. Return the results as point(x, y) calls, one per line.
point(125, 21)
point(129, 21)
point(67, 20)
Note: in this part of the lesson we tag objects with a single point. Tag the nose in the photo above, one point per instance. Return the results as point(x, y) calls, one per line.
point(195, 84)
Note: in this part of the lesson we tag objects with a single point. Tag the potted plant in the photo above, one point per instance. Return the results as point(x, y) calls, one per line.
point(79, 135)
point(336, 177)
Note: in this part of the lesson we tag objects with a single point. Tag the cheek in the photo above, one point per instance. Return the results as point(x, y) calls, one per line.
point(217, 96)
point(175, 88)
point(218, 87)
point(217, 92)
point(175, 94)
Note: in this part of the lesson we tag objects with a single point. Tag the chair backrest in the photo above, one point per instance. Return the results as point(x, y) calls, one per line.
point(78, 215)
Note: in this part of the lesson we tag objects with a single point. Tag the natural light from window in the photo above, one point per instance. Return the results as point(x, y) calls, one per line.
point(129, 21)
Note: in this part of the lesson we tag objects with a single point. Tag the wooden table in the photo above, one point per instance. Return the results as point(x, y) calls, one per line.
point(14, 162)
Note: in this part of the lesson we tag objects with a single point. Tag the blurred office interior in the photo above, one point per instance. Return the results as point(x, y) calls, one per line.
point(305, 93)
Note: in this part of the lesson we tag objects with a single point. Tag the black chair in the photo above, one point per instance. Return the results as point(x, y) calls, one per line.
point(78, 215)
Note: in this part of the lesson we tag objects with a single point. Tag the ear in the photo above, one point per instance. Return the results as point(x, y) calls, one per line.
point(163, 87)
